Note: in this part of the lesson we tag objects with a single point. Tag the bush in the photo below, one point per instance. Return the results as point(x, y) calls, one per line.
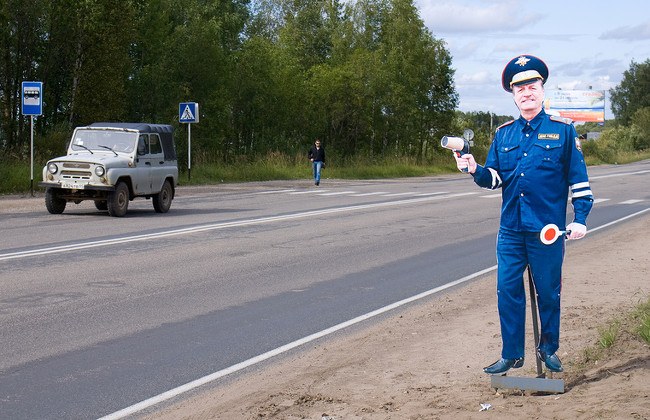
point(613, 144)
point(641, 121)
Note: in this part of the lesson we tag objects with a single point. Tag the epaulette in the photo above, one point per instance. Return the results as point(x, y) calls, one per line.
point(505, 123)
point(567, 121)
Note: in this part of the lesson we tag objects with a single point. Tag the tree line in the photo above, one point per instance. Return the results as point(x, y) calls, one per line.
point(366, 76)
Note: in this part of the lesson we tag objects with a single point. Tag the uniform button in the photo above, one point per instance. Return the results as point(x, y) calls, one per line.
point(506, 149)
point(525, 154)
point(522, 194)
point(527, 135)
point(522, 174)
point(548, 147)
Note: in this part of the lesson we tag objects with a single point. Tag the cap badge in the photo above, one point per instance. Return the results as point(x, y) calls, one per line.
point(522, 61)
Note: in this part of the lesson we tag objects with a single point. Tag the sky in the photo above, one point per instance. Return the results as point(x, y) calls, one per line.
point(584, 43)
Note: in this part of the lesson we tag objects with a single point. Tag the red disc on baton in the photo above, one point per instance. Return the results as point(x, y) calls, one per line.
point(550, 233)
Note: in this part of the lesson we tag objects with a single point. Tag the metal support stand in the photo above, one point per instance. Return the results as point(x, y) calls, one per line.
point(540, 383)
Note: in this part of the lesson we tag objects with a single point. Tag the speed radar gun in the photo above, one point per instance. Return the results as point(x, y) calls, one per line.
point(459, 145)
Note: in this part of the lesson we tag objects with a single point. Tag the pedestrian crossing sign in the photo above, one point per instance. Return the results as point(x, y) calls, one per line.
point(188, 112)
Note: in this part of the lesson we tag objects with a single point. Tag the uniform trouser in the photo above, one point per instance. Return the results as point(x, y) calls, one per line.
point(515, 251)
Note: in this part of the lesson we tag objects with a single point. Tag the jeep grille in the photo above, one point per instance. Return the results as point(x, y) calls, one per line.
point(76, 165)
point(75, 174)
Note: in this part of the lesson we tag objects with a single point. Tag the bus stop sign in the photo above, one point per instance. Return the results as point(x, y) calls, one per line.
point(32, 98)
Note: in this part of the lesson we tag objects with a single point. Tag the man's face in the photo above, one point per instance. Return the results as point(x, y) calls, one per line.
point(529, 97)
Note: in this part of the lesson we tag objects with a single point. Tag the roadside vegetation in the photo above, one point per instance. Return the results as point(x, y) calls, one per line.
point(630, 330)
point(367, 78)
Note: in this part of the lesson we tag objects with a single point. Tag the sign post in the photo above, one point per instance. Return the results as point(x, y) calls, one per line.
point(31, 94)
point(188, 112)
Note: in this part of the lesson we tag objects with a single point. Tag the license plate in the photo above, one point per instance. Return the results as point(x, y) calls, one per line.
point(72, 185)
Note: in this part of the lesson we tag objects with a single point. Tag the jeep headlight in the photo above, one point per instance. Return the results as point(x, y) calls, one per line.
point(99, 171)
point(52, 168)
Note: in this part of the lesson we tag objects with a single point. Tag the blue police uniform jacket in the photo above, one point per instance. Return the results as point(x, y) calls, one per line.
point(537, 163)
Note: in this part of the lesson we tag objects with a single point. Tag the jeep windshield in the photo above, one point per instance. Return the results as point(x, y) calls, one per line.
point(104, 140)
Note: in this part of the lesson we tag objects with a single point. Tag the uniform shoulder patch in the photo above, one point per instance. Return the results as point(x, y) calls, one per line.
point(564, 120)
point(505, 124)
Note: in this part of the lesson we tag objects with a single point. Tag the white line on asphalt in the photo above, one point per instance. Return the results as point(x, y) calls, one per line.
point(275, 192)
point(265, 356)
point(397, 194)
point(617, 175)
point(430, 194)
point(631, 201)
point(269, 354)
point(370, 193)
point(316, 191)
point(217, 226)
point(337, 193)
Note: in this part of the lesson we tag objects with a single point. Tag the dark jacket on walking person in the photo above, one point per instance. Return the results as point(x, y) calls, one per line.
point(316, 156)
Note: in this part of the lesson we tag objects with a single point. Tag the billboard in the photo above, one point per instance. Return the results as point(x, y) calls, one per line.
point(579, 105)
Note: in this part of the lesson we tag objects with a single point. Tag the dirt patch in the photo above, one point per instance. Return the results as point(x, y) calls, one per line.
point(426, 362)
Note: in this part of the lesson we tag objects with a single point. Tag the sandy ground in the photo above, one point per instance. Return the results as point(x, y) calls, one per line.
point(426, 362)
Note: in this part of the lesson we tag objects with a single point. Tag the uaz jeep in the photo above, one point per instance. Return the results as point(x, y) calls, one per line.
point(111, 164)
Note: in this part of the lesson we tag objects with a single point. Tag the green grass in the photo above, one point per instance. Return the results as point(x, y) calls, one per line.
point(16, 179)
point(608, 334)
point(641, 316)
point(620, 158)
point(635, 324)
point(15, 176)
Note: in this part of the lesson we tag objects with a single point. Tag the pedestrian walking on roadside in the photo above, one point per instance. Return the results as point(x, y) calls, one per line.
point(316, 156)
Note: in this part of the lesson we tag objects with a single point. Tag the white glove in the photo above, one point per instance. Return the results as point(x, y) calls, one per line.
point(466, 163)
point(577, 230)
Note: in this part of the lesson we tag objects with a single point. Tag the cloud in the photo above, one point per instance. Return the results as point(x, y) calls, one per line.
point(474, 79)
point(630, 33)
point(448, 16)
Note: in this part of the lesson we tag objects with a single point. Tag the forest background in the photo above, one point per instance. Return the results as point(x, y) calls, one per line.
point(366, 77)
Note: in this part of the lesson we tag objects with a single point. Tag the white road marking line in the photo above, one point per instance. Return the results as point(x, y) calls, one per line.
point(189, 386)
point(631, 201)
point(430, 194)
point(600, 200)
point(338, 193)
point(491, 196)
point(275, 191)
point(217, 226)
point(370, 193)
point(617, 175)
point(272, 353)
point(397, 194)
point(307, 192)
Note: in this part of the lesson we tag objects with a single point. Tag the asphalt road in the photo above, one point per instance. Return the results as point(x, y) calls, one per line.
point(100, 313)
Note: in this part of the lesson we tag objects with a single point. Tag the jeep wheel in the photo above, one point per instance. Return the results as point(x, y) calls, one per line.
point(54, 204)
point(163, 200)
point(101, 205)
point(118, 201)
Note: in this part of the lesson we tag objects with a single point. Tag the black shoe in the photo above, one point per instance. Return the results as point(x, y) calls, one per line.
point(552, 362)
point(317, 183)
point(503, 365)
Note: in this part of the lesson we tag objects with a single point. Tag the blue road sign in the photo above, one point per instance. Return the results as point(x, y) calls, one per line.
point(31, 96)
point(188, 112)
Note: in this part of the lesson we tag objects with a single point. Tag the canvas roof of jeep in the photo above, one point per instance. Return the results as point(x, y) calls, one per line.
point(166, 133)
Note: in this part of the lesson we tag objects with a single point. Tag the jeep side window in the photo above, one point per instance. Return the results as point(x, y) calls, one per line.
point(154, 144)
point(143, 144)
